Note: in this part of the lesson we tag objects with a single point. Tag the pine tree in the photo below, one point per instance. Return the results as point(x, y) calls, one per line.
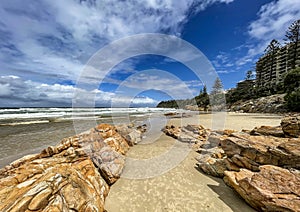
point(292, 37)
point(217, 87)
point(205, 90)
point(271, 50)
point(249, 75)
point(217, 98)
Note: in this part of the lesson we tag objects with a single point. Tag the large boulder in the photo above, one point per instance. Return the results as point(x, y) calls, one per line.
point(252, 151)
point(188, 134)
point(72, 176)
point(112, 138)
point(130, 134)
point(268, 131)
point(291, 125)
point(271, 189)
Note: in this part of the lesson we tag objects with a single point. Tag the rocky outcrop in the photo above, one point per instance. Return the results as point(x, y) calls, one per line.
point(268, 131)
point(72, 176)
point(250, 152)
point(188, 134)
point(130, 134)
point(291, 125)
point(262, 165)
point(268, 104)
point(271, 189)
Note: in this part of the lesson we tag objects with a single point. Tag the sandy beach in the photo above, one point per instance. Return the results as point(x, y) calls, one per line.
point(182, 188)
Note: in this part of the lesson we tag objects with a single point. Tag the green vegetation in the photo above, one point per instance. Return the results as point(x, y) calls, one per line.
point(271, 51)
point(292, 87)
point(292, 37)
point(202, 100)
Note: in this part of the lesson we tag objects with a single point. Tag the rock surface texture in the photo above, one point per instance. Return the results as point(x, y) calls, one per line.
point(262, 165)
point(291, 125)
point(271, 189)
point(72, 176)
point(268, 104)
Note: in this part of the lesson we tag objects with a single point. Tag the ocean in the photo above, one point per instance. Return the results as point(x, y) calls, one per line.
point(29, 130)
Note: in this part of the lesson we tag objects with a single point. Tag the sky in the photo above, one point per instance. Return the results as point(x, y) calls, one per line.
point(47, 45)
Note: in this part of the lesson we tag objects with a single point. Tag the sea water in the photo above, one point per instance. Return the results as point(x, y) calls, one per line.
point(29, 130)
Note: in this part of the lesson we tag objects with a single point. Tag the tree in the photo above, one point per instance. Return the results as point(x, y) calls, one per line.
point(293, 100)
point(217, 97)
point(292, 80)
point(292, 87)
point(293, 36)
point(271, 50)
point(204, 90)
point(202, 99)
point(217, 87)
point(249, 75)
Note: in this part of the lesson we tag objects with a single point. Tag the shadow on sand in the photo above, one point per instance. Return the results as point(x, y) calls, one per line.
point(227, 194)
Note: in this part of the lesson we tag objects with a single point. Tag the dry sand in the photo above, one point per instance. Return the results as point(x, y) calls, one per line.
point(182, 188)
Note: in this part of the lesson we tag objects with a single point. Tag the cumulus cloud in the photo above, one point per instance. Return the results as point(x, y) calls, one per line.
point(17, 92)
point(50, 41)
point(273, 20)
point(57, 37)
point(160, 81)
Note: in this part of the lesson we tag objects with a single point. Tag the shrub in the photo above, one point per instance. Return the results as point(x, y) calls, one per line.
point(293, 100)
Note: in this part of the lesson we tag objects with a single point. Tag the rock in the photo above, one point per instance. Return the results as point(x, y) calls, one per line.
point(171, 114)
point(268, 131)
point(34, 185)
point(271, 189)
point(188, 134)
point(270, 104)
point(112, 138)
point(172, 131)
point(216, 167)
point(131, 135)
point(291, 125)
point(262, 150)
point(72, 176)
point(110, 163)
point(134, 137)
point(142, 128)
point(124, 129)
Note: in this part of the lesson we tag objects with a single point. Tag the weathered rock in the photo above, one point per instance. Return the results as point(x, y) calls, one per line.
point(271, 189)
point(110, 163)
point(35, 185)
point(188, 134)
point(262, 150)
point(65, 177)
point(214, 163)
point(268, 131)
point(270, 104)
point(112, 138)
point(291, 125)
point(134, 137)
point(130, 134)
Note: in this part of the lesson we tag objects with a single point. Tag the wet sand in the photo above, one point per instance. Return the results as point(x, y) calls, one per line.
point(182, 188)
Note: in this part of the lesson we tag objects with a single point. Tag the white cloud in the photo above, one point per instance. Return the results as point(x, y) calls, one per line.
point(50, 41)
point(160, 81)
point(18, 92)
point(273, 21)
point(57, 37)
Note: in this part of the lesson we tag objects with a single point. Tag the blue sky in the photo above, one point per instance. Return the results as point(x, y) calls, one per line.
point(45, 45)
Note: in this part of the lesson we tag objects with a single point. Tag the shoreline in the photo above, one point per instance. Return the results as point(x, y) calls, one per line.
point(34, 137)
